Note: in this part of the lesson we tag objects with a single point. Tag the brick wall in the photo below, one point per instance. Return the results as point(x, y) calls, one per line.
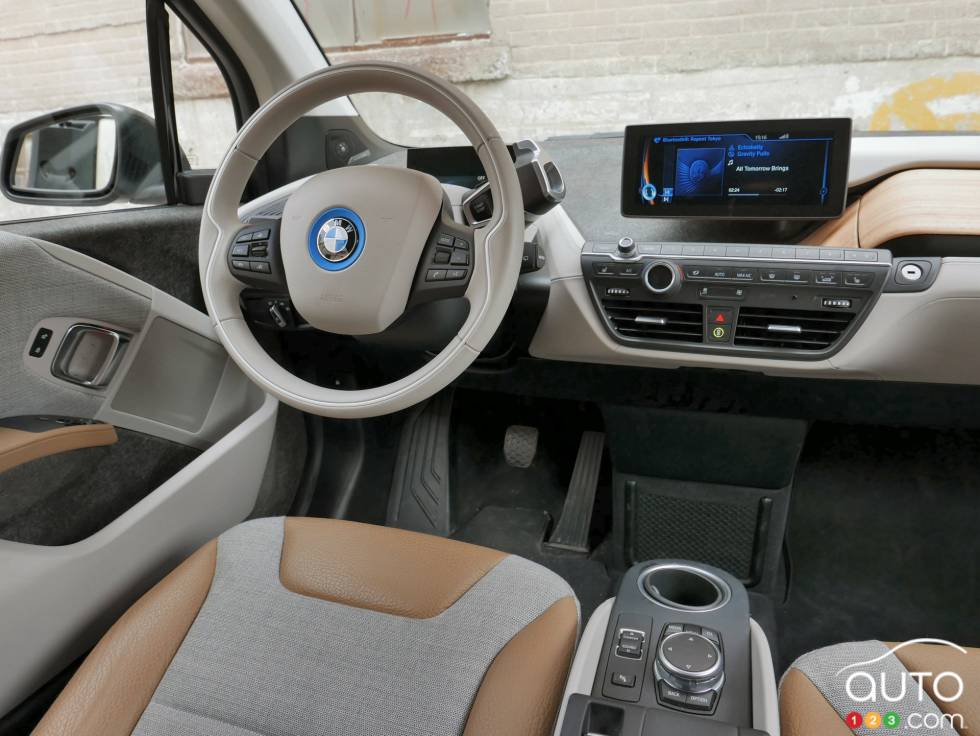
point(547, 67)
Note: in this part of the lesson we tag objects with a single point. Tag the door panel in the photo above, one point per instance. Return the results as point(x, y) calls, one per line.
point(85, 532)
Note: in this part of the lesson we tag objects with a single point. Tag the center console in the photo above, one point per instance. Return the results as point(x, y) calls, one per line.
point(678, 655)
point(801, 303)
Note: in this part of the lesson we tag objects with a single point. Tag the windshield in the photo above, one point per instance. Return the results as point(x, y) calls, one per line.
point(543, 68)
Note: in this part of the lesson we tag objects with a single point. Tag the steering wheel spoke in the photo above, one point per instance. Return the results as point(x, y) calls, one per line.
point(254, 256)
point(446, 264)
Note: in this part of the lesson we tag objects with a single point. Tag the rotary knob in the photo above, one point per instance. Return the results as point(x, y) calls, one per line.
point(691, 662)
point(626, 246)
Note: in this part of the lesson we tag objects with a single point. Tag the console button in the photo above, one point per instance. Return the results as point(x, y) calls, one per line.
point(650, 249)
point(797, 277)
point(714, 250)
point(672, 695)
point(831, 254)
point(772, 274)
point(630, 643)
point(719, 333)
point(690, 656)
point(810, 254)
point(862, 279)
point(627, 269)
point(701, 701)
point(672, 629)
point(760, 251)
point(696, 272)
point(722, 274)
point(604, 268)
point(737, 251)
point(717, 316)
point(745, 274)
point(711, 635)
point(672, 249)
point(694, 250)
point(623, 680)
point(692, 629)
point(783, 251)
point(827, 278)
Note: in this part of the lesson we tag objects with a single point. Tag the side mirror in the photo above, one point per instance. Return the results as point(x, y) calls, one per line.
point(88, 155)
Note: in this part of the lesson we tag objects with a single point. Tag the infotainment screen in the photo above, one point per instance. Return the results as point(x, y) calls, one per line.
point(761, 169)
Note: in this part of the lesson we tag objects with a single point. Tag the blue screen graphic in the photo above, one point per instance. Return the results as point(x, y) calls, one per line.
point(699, 172)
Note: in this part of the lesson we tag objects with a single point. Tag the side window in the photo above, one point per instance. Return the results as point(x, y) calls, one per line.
point(88, 56)
point(202, 103)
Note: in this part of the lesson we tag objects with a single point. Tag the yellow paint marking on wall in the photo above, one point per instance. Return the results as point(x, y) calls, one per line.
point(908, 108)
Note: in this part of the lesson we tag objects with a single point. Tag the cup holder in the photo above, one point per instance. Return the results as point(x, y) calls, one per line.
point(685, 588)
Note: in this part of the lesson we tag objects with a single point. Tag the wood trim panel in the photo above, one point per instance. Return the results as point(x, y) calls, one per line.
point(18, 446)
point(915, 202)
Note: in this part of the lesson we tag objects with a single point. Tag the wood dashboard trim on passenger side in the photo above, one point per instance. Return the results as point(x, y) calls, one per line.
point(914, 202)
point(19, 446)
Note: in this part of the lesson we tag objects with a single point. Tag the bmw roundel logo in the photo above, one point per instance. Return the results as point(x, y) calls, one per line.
point(336, 239)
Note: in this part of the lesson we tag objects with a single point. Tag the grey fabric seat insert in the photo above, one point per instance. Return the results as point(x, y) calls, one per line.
point(260, 659)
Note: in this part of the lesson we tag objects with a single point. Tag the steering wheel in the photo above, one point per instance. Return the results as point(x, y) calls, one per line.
point(359, 245)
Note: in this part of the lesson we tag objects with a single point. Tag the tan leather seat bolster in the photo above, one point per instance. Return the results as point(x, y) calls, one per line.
point(804, 711)
point(522, 691)
point(936, 659)
point(112, 688)
point(379, 568)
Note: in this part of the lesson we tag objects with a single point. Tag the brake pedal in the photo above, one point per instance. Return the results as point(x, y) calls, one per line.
point(571, 533)
point(520, 445)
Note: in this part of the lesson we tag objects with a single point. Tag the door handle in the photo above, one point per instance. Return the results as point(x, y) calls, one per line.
point(89, 355)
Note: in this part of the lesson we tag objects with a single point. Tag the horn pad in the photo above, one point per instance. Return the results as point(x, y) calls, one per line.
point(351, 240)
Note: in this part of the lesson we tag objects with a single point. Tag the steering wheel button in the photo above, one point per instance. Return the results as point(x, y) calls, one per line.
point(241, 265)
point(460, 243)
point(243, 238)
point(445, 239)
point(261, 267)
point(436, 274)
point(460, 258)
point(442, 256)
point(456, 274)
point(239, 250)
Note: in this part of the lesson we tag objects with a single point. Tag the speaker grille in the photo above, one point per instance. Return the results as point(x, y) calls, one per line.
point(719, 534)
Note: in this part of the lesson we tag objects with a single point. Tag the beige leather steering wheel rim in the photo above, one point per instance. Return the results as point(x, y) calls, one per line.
point(497, 246)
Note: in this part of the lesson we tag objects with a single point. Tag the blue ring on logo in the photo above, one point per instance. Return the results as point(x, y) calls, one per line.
point(315, 231)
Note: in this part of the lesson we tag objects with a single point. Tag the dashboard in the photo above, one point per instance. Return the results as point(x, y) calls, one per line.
point(838, 288)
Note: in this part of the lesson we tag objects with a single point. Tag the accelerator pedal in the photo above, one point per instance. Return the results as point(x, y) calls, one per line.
point(571, 533)
point(520, 445)
point(419, 499)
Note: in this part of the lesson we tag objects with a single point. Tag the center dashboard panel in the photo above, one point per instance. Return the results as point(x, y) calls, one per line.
point(800, 303)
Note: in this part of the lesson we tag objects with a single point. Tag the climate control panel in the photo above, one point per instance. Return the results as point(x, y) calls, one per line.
point(755, 300)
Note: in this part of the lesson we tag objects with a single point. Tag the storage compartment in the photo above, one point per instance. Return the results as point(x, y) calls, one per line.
point(685, 588)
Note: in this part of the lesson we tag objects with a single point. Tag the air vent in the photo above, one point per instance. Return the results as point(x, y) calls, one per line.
point(789, 329)
point(656, 321)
